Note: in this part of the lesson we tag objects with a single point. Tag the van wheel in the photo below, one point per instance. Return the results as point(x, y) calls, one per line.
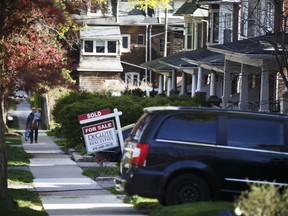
point(186, 189)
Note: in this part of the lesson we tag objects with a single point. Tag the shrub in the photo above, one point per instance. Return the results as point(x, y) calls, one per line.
point(262, 200)
point(69, 107)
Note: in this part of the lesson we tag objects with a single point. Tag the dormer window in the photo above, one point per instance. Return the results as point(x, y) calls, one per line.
point(99, 47)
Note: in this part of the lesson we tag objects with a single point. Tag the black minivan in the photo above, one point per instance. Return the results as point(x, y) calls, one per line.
point(186, 154)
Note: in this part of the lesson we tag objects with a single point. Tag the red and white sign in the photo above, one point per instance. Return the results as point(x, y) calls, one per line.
point(100, 136)
point(93, 115)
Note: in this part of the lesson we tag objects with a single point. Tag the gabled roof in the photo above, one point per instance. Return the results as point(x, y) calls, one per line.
point(189, 7)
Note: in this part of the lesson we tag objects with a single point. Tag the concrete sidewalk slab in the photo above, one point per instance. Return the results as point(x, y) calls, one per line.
point(58, 179)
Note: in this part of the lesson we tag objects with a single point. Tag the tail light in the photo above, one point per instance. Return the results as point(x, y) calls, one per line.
point(140, 154)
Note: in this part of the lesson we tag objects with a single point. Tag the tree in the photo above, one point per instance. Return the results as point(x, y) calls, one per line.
point(36, 38)
point(34, 50)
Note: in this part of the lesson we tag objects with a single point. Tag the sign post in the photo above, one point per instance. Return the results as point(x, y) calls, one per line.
point(101, 136)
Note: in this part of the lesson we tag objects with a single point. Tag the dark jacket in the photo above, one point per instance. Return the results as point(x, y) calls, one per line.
point(30, 124)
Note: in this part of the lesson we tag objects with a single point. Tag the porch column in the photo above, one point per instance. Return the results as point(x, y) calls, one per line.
point(243, 100)
point(174, 80)
point(160, 84)
point(168, 85)
point(183, 84)
point(212, 83)
point(264, 91)
point(199, 80)
point(226, 84)
point(194, 84)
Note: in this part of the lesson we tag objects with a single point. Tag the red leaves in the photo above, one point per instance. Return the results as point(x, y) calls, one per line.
point(31, 53)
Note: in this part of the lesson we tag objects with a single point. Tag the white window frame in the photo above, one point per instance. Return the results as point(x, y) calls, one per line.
point(269, 17)
point(128, 43)
point(134, 76)
point(192, 31)
point(228, 25)
point(211, 39)
point(105, 47)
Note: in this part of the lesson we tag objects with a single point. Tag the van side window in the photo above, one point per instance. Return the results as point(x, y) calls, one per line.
point(190, 128)
point(255, 133)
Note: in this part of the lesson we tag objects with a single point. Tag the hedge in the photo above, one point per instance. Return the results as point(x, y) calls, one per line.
point(69, 107)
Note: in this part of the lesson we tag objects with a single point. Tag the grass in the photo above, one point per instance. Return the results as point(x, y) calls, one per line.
point(20, 177)
point(28, 202)
point(16, 156)
point(196, 209)
point(13, 140)
point(100, 171)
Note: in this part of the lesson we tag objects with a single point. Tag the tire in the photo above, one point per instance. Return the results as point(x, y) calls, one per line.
point(162, 201)
point(187, 188)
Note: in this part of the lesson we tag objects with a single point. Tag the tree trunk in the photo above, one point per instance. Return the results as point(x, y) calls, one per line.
point(5, 198)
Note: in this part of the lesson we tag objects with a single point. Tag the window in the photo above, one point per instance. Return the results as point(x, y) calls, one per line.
point(140, 39)
point(111, 46)
point(100, 46)
point(270, 16)
point(189, 36)
point(171, 10)
point(161, 45)
point(254, 133)
point(99, 7)
point(244, 19)
point(132, 78)
point(88, 46)
point(191, 128)
point(227, 27)
point(194, 35)
point(214, 28)
point(94, 47)
point(125, 43)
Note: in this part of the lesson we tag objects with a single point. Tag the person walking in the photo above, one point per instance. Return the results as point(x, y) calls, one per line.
point(32, 124)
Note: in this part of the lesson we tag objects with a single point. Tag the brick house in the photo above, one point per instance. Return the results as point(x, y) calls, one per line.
point(116, 42)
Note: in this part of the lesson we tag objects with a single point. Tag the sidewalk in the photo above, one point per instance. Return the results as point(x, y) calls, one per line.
point(59, 180)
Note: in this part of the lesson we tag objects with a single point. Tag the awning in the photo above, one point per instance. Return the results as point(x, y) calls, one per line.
point(101, 33)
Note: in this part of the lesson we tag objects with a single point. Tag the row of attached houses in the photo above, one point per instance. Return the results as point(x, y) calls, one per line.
point(231, 54)
point(115, 42)
point(223, 50)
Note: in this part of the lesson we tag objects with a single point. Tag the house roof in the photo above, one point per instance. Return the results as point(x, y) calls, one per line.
point(176, 61)
point(101, 32)
point(188, 60)
point(189, 7)
point(206, 59)
point(258, 47)
point(156, 66)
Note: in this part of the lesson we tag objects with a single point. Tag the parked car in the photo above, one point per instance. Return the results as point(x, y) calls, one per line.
point(187, 154)
point(115, 154)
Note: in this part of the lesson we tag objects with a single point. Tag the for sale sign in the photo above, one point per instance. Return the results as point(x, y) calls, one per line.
point(100, 136)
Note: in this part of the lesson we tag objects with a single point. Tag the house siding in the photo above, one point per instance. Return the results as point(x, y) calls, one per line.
point(94, 81)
